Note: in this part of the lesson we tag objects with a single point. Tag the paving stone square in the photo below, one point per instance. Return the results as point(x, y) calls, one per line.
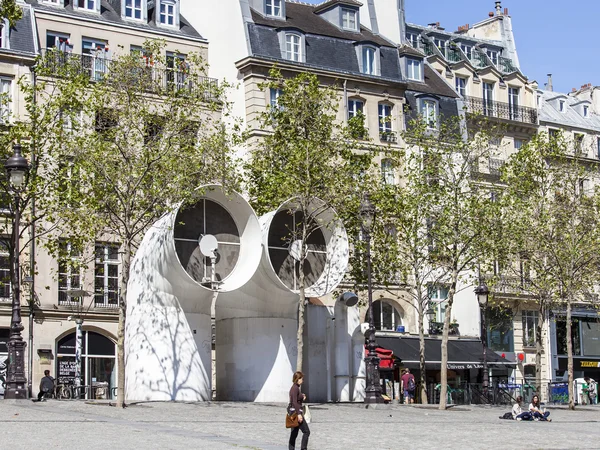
point(78, 425)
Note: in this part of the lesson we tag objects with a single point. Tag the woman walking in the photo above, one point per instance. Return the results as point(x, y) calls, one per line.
point(296, 399)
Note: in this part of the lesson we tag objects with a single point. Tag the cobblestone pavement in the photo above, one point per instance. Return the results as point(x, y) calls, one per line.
point(78, 425)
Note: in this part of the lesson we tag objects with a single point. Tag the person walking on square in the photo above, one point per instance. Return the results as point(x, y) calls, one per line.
point(296, 399)
point(46, 385)
point(408, 386)
point(538, 414)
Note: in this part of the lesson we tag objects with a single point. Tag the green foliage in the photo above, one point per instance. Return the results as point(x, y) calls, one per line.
point(10, 11)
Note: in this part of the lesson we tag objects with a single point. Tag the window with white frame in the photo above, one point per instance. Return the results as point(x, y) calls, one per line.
point(386, 316)
point(5, 99)
point(5, 286)
point(133, 9)
point(530, 323)
point(467, 50)
point(274, 97)
point(106, 275)
point(176, 70)
point(349, 21)
point(518, 143)
point(94, 57)
point(461, 85)
point(355, 108)
point(488, 98)
point(414, 69)
point(273, 8)
point(53, 2)
point(69, 272)
point(385, 118)
point(369, 61)
point(438, 295)
point(4, 34)
point(87, 4)
point(413, 39)
point(513, 103)
point(441, 44)
point(493, 55)
point(387, 172)
point(167, 12)
point(429, 112)
point(293, 47)
point(58, 41)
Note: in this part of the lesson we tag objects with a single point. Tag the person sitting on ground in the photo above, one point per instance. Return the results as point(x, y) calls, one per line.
point(537, 413)
point(518, 413)
point(46, 385)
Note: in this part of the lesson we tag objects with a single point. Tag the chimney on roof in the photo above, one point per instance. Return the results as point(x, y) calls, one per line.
point(506, 11)
point(573, 89)
point(549, 84)
point(498, 8)
point(491, 14)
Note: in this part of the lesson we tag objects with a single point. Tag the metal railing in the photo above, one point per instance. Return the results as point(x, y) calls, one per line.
point(501, 110)
point(96, 65)
point(506, 65)
point(427, 48)
point(477, 394)
point(453, 55)
point(509, 284)
point(479, 59)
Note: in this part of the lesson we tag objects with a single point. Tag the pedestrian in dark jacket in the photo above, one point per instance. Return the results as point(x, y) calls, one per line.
point(296, 399)
point(46, 385)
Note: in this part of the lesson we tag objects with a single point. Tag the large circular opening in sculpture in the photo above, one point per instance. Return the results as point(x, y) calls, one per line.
point(284, 240)
point(207, 221)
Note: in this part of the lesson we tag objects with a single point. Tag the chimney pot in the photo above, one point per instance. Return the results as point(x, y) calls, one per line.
point(573, 90)
point(549, 84)
point(491, 14)
point(506, 11)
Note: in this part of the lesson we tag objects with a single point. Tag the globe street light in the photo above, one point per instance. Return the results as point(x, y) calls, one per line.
point(482, 293)
point(16, 382)
point(373, 389)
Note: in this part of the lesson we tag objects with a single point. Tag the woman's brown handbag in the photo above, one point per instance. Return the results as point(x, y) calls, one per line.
point(291, 420)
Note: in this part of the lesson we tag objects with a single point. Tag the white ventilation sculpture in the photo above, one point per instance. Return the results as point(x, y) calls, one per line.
point(256, 326)
point(184, 260)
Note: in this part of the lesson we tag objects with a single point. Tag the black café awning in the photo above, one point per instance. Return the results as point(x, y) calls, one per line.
point(462, 353)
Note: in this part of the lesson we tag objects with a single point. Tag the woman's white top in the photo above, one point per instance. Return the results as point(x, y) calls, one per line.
point(516, 410)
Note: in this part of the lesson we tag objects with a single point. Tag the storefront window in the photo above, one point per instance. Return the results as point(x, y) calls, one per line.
point(561, 336)
point(590, 330)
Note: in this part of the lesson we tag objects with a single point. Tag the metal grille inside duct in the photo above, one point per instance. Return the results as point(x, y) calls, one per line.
point(206, 218)
point(284, 230)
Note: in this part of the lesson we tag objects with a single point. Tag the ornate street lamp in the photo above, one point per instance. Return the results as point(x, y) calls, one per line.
point(16, 382)
point(430, 313)
point(482, 293)
point(373, 389)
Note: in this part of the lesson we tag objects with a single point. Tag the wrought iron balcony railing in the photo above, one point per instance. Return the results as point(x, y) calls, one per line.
point(154, 79)
point(506, 65)
point(453, 55)
point(501, 110)
point(478, 59)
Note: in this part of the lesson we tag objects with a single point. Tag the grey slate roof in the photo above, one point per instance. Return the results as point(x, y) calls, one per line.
point(303, 17)
point(570, 117)
point(21, 36)
point(433, 84)
point(110, 12)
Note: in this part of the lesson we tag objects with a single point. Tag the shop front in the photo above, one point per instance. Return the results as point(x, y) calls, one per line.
point(465, 363)
point(98, 358)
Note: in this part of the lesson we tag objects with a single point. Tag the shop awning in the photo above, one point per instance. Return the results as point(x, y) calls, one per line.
point(462, 353)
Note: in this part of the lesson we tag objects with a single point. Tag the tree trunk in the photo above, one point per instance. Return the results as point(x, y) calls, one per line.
point(301, 298)
point(539, 345)
point(444, 368)
point(121, 330)
point(570, 355)
point(423, 377)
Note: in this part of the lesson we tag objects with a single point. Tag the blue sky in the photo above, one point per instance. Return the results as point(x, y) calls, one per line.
point(552, 36)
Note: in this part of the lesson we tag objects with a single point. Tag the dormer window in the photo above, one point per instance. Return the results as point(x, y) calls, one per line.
point(133, 9)
point(91, 5)
point(54, 2)
point(561, 105)
point(369, 60)
point(168, 13)
point(273, 8)
point(293, 47)
point(413, 39)
point(349, 19)
point(586, 111)
point(467, 50)
point(493, 55)
point(414, 69)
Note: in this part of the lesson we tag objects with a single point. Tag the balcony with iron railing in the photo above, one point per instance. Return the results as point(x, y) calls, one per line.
point(505, 65)
point(506, 284)
point(500, 110)
point(479, 59)
point(453, 54)
point(154, 79)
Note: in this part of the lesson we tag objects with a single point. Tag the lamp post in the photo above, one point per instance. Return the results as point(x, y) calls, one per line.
point(482, 293)
point(430, 318)
point(16, 382)
point(373, 389)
